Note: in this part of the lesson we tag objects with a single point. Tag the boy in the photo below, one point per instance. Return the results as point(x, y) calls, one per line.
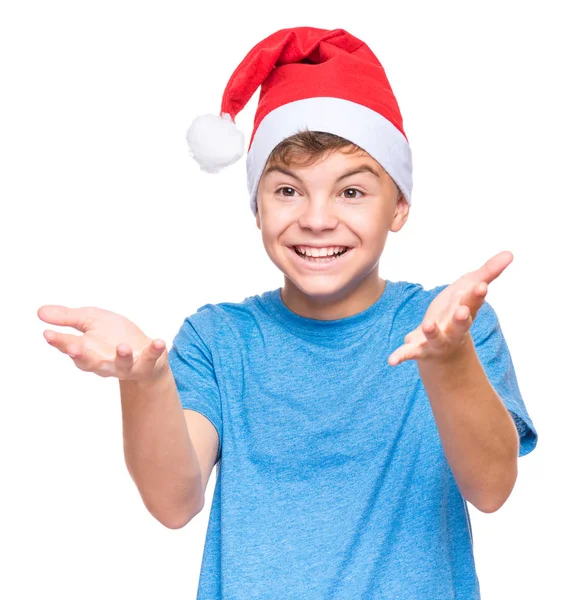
point(351, 417)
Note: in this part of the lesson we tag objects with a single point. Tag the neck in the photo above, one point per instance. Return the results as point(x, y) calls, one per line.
point(349, 300)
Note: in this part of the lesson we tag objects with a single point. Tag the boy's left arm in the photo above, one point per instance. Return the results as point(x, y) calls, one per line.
point(479, 437)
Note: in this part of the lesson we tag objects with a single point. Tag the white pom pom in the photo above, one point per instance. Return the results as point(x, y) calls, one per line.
point(215, 142)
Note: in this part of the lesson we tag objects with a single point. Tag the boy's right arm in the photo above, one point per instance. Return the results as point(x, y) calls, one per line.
point(169, 452)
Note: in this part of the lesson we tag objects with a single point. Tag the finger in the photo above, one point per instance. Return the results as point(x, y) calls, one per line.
point(394, 359)
point(430, 328)
point(401, 354)
point(460, 323)
point(433, 333)
point(124, 360)
point(481, 289)
point(494, 266)
point(149, 356)
point(474, 297)
point(64, 342)
point(64, 315)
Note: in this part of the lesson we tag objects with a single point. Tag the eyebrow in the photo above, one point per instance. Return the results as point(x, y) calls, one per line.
point(356, 171)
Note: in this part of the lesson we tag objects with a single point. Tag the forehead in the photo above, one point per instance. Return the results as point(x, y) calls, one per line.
point(333, 161)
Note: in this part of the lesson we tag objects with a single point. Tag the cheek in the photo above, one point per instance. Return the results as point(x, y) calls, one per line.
point(272, 229)
point(368, 225)
point(275, 221)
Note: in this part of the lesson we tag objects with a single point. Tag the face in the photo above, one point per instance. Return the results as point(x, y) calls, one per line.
point(342, 200)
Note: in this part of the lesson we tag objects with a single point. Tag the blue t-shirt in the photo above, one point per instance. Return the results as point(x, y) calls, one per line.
point(331, 481)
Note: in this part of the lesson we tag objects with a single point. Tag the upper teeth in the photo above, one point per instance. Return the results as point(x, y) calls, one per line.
point(308, 250)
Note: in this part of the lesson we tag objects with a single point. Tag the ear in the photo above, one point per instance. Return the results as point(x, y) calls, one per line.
point(401, 213)
point(257, 217)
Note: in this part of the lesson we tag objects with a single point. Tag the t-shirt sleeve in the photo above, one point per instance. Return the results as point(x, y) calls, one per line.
point(192, 366)
point(494, 356)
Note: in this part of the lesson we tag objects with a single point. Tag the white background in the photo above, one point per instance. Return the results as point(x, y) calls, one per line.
point(103, 206)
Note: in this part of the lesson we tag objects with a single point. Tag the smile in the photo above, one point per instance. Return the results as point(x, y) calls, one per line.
point(319, 263)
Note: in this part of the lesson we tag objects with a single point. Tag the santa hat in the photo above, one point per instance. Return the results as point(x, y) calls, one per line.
point(310, 79)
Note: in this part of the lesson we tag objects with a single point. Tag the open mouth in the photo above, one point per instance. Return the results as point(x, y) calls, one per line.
point(320, 259)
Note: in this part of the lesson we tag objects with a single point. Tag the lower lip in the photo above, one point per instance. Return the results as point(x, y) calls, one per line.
point(313, 265)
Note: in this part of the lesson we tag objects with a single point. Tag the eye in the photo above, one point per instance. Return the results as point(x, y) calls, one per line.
point(353, 193)
point(288, 192)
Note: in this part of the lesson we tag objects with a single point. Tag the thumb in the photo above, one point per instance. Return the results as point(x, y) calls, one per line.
point(64, 315)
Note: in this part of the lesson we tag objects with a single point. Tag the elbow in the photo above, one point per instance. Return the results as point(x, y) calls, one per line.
point(488, 503)
point(174, 524)
point(490, 507)
point(494, 502)
point(176, 519)
point(494, 496)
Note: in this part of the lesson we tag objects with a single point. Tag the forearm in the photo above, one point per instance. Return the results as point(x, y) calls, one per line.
point(478, 435)
point(158, 451)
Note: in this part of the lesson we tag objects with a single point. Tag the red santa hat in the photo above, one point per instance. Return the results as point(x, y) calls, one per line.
point(310, 79)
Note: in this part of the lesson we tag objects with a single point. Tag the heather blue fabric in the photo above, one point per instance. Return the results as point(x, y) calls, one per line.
point(332, 482)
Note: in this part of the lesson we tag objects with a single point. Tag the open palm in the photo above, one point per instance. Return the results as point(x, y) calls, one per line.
point(448, 319)
point(111, 345)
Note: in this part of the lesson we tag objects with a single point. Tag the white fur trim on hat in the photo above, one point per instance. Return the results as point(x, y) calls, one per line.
point(357, 123)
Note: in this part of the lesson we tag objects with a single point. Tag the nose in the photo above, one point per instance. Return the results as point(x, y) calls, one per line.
point(318, 213)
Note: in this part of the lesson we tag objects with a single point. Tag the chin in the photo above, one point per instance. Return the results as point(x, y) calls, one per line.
point(317, 285)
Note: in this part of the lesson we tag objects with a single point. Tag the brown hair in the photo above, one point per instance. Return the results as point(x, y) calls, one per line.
point(306, 147)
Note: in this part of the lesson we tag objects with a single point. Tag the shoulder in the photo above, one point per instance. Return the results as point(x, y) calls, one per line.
point(414, 293)
point(216, 319)
point(415, 300)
